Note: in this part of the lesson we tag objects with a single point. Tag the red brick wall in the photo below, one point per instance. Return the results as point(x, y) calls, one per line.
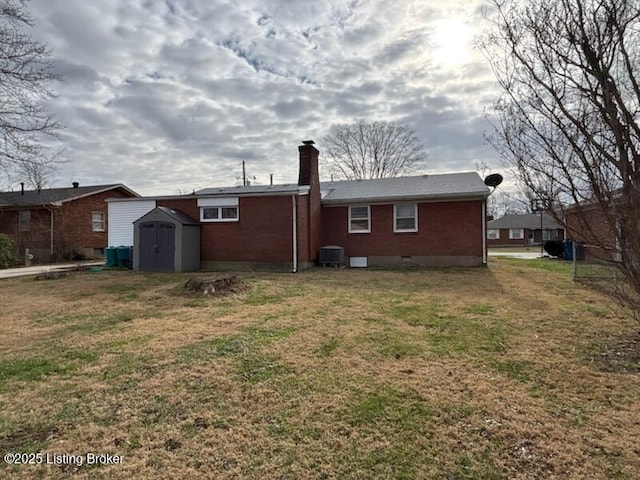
point(303, 228)
point(263, 232)
point(504, 240)
point(72, 226)
point(444, 229)
point(37, 237)
point(599, 236)
point(72, 223)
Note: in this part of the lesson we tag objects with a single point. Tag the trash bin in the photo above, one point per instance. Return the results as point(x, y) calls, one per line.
point(111, 256)
point(568, 250)
point(124, 256)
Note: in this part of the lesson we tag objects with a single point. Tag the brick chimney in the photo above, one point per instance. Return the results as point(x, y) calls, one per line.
point(308, 174)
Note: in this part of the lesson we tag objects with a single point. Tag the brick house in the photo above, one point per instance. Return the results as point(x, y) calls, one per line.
point(59, 223)
point(523, 230)
point(422, 220)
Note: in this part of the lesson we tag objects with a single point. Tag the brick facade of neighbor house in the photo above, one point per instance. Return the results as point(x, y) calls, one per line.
point(69, 211)
point(73, 223)
point(528, 225)
point(449, 233)
point(591, 229)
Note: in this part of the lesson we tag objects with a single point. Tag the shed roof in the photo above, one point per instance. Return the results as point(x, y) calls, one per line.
point(50, 196)
point(530, 221)
point(422, 187)
point(176, 215)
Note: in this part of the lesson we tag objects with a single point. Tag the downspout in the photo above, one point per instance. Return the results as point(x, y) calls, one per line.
point(294, 212)
point(484, 232)
point(51, 235)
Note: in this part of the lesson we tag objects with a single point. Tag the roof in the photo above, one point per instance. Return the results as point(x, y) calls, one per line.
point(423, 187)
point(49, 196)
point(176, 215)
point(252, 189)
point(530, 221)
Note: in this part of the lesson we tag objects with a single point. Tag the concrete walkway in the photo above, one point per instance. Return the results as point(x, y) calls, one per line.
point(38, 269)
point(524, 255)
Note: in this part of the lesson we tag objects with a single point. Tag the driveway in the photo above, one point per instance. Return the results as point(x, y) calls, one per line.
point(38, 269)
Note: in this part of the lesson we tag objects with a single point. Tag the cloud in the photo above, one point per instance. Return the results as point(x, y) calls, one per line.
point(173, 95)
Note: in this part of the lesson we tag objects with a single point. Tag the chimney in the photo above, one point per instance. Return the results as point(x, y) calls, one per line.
point(308, 174)
point(21, 188)
point(75, 184)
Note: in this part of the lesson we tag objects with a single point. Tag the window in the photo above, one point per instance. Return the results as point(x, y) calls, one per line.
point(24, 220)
point(516, 233)
point(493, 234)
point(221, 209)
point(405, 218)
point(360, 219)
point(97, 221)
point(218, 214)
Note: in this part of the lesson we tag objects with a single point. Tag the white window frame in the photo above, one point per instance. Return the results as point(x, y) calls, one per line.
point(368, 230)
point(519, 236)
point(493, 234)
point(98, 222)
point(219, 214)
point(220, 203)
point(395, 218)
point(24, 220)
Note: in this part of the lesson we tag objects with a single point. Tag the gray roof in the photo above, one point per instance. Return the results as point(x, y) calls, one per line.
point(423, 187)
point(530, 221)
point(251, 189)
point(177, 215)
point(48, 196)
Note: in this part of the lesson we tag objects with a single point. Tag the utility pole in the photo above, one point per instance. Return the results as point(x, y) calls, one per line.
point(244, 175)
point(537, 205)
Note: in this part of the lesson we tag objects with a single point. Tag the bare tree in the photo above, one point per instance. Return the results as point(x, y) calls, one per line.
point(568, 119)
point(25, 73)
point(372, 150)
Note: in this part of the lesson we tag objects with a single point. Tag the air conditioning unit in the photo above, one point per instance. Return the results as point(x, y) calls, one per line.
point(331, 255)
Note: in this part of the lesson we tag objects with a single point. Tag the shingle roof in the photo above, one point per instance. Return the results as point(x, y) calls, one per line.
point(251, 189)
point(177, 215)
point(427, 187)
point(530, 221)
point(48, 196)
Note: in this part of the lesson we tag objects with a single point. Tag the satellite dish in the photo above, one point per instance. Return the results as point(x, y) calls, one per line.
point(493, 180)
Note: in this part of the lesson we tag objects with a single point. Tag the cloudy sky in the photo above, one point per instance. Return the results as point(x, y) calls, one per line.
point(167, 96)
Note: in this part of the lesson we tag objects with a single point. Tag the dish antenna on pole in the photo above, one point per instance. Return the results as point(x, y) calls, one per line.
point(493, 180)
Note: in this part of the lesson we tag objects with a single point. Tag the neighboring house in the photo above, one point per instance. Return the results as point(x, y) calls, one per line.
point(523, 230)
point(59, 223)
point(599, 232)
point(422, 220)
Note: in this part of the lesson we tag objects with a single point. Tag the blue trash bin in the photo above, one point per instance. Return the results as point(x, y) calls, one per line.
point(568, 250)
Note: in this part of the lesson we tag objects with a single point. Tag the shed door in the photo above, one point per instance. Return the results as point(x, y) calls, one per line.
point(156, 247)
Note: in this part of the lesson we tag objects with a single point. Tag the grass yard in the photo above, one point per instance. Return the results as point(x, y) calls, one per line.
point(510, 372)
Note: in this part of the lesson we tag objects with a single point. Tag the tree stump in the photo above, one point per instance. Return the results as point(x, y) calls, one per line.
point(214, 286)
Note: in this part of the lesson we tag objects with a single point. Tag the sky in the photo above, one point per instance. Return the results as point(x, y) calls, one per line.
point(170, 96)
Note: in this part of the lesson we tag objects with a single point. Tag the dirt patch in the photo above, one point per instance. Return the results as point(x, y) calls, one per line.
point(214, 286)
point(620, 356)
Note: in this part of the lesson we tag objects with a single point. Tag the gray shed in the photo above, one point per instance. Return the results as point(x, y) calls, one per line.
point(166, 240)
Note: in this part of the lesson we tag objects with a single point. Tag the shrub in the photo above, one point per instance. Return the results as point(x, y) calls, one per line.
point(7, 252)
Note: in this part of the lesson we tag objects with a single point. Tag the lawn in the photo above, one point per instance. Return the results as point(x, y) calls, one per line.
point(513, 371)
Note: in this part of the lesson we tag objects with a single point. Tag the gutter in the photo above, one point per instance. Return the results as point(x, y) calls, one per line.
point(294, 212)
point(404, 198)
